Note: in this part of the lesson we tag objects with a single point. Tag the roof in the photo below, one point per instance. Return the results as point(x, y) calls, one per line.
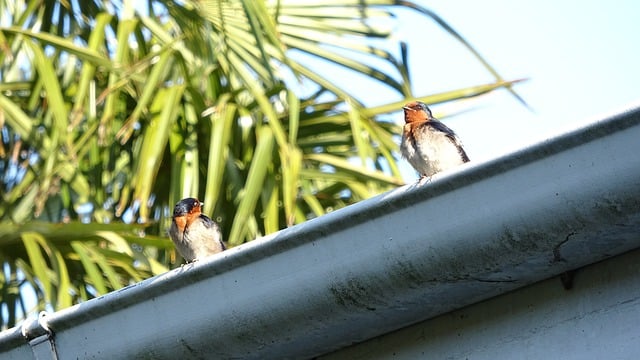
point(382, 264)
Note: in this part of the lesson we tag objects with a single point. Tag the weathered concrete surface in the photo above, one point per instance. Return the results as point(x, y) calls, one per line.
point(599, 318)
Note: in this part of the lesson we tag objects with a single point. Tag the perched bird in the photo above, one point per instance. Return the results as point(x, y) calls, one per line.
point(429, 145)
point(193, 233)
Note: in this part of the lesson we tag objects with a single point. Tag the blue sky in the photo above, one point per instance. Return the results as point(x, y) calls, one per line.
point(581, 58)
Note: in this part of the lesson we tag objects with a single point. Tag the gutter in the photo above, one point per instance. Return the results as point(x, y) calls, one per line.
point(377, 266)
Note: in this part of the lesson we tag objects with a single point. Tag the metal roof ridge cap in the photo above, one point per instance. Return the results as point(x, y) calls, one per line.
point(351, 215)
point(288, 238)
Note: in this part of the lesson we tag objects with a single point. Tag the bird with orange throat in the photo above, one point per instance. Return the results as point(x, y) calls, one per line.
point(194, 234)
point(429, 145)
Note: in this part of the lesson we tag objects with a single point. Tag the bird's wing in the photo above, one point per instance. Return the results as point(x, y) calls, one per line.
point(441, 127)
point(451, 135)
point(207, 222)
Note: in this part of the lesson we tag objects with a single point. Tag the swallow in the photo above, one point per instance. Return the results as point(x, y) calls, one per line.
point(194, 234)
point(429, 145)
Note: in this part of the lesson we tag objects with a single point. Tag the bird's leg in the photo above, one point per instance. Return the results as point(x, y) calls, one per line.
point(424, 179)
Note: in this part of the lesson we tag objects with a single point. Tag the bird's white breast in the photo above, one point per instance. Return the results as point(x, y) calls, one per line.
point(434, 153)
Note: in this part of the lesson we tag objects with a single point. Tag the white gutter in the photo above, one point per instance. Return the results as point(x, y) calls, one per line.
point(376, 266)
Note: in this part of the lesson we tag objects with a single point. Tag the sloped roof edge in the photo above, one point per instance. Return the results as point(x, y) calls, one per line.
point(376, 266)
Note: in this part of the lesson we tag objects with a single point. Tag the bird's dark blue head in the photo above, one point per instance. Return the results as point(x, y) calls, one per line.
point(417, 111)
point(187, 206)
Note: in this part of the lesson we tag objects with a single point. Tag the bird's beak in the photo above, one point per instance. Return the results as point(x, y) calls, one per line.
point(407, 108)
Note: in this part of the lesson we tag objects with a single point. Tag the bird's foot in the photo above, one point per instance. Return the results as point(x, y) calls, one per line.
point(424, 180)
